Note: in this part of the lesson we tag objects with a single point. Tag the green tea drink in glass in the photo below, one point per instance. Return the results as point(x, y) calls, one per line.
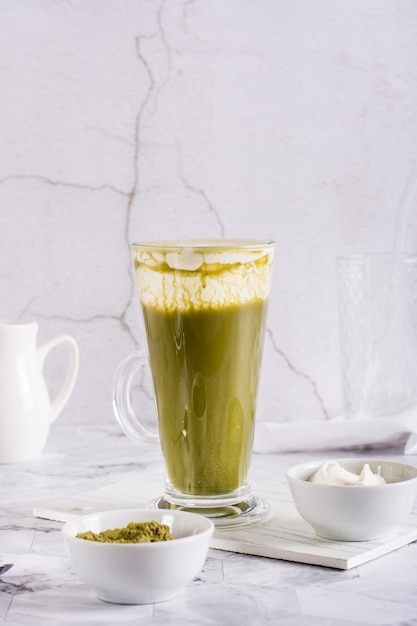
point(204, 306)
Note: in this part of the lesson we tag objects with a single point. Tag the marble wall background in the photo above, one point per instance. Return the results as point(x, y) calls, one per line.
point(138, 119)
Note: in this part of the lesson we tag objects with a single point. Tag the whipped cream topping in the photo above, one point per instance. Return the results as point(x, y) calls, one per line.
point(191, 277)
point(332, 473)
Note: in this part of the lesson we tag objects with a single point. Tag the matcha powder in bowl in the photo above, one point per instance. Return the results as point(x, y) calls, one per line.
point(134, 532)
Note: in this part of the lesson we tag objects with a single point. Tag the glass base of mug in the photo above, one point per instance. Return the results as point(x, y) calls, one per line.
point(224, 511)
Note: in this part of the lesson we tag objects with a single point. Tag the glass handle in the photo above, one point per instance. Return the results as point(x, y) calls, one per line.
point(129, 421)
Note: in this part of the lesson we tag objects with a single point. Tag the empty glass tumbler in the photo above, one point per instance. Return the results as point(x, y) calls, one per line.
point(378, 333)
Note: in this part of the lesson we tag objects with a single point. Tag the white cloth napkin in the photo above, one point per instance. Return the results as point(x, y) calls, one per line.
point(338, 433)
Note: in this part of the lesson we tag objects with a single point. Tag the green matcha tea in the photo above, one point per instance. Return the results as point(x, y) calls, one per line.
point(204, 307)
point(205, 366)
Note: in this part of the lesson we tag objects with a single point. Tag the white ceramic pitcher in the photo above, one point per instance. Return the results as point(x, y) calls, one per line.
point(26, 410)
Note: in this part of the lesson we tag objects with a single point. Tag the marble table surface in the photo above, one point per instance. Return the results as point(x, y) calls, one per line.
point(42, 589)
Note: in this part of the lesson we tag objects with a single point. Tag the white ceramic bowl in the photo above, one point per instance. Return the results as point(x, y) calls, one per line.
point(139, 573)
point(354, 513)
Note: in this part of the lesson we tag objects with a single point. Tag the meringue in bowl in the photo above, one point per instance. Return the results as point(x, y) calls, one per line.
point(353, 499)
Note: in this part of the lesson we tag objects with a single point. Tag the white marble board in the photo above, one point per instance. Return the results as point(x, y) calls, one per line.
point(284, 535)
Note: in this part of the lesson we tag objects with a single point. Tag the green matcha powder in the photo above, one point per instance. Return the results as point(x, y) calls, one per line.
point(134, 532)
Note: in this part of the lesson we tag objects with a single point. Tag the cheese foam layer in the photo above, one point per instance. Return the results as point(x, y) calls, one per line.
point(198, 276)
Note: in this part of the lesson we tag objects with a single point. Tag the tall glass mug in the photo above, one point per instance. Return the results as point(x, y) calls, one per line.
point(204, 306)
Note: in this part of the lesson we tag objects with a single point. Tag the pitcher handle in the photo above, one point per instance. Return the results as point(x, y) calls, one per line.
point(129, 421)
point(61, 398)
